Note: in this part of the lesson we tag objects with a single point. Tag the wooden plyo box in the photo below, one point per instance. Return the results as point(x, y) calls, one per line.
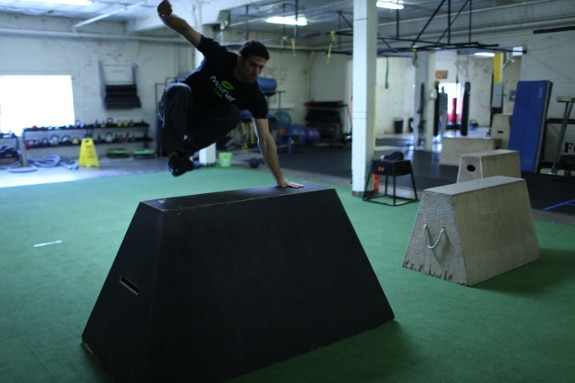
point(500, 128)
point(453, 147)
point(472, 231)
point(499, 162)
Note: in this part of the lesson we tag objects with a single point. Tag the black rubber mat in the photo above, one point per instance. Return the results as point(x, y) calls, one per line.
point(546, 192)
point(551, 193)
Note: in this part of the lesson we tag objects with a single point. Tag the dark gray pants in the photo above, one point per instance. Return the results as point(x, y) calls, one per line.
point(186, 127)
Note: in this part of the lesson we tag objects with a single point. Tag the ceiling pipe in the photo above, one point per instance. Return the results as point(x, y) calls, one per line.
point(329, 8)
point(431, 35)
point(397, 22)
point(89, 36)
point(283, 26)
point(108, 14)
point(504, 28)
point(295, 30)
point(450, 23)
point(429, 21)
point(470, 18)
point(96, 36)
point(247, 27)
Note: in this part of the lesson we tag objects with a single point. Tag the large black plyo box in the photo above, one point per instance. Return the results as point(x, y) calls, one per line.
point(208, 287)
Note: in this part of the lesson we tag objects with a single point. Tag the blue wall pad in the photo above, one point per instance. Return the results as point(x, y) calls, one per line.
point(529, 115)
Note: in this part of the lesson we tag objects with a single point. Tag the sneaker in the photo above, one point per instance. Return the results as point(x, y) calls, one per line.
point(179, 165)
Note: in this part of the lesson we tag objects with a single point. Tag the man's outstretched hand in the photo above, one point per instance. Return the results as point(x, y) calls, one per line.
point(288, 184)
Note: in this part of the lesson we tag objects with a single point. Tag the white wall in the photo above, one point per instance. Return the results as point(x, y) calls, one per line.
point(510, 77)
point(291, 71)
point(549, 56)
point(80, 58)
point(394, 95)
point(157, 63)
point(478, 71)
point(331, 81)
point(329, 78)
point(303, 76)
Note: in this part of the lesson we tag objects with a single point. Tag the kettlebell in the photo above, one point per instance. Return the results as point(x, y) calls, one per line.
point(254, 162)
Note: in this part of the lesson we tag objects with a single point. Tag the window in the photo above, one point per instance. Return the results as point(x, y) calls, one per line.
point(38, 100)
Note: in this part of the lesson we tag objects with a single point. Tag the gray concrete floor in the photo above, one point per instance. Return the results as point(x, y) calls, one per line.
point(11, 175)
point(108, 167)
point(17, 175)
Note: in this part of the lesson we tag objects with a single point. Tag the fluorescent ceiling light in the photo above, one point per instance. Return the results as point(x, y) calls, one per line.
point(516, 51)
point(389, 4)
point(287, 20)
point(68, 2)
point(484, 54)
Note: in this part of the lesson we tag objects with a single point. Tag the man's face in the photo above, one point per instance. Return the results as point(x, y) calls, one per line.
point(250, 68)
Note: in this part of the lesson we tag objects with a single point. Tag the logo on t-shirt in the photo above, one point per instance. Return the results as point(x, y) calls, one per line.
point(223, 89)
point(227, 85)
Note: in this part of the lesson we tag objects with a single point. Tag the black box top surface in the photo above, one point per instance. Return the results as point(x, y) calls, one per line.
point(225, 197)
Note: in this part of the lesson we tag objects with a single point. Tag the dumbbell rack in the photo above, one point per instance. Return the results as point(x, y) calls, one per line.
point(65, 141)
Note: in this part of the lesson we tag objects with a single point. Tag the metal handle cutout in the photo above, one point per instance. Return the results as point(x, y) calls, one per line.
point(130, 285)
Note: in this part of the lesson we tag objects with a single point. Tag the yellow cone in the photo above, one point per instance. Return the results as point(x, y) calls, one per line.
point(88, 154)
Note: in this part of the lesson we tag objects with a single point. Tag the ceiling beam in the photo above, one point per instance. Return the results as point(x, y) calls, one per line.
point(108, 14)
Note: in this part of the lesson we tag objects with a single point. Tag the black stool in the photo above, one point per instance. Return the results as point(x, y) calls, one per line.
point(293, 141)
point(390, 168)
point(567, 163)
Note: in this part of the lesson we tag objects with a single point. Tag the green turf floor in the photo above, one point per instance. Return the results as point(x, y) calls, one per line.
point(59, 240)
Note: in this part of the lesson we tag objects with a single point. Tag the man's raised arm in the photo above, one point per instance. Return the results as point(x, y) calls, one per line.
point(178, 24)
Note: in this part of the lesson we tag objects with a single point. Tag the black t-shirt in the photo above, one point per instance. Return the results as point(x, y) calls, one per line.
point(213, 82)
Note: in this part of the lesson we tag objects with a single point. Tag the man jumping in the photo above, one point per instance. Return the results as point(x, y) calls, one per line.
point(205, 105)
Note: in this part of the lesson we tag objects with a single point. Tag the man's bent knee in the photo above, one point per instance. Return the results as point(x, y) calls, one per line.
point(177, 89)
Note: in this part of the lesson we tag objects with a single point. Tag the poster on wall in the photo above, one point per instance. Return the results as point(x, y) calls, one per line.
point(440, 74)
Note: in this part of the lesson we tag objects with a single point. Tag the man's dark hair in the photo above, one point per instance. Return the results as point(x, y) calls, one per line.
point(254, 48)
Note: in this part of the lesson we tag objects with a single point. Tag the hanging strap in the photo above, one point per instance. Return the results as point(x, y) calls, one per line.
point(386, 72)
point(332, 34)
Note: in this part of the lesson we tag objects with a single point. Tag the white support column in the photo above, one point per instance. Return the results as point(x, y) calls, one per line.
point(425, 74)
point(207, 156)
point(364, 82)
point(429, 110)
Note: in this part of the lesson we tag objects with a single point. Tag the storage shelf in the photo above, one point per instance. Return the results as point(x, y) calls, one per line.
point(327, 118)
point(104, 134)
